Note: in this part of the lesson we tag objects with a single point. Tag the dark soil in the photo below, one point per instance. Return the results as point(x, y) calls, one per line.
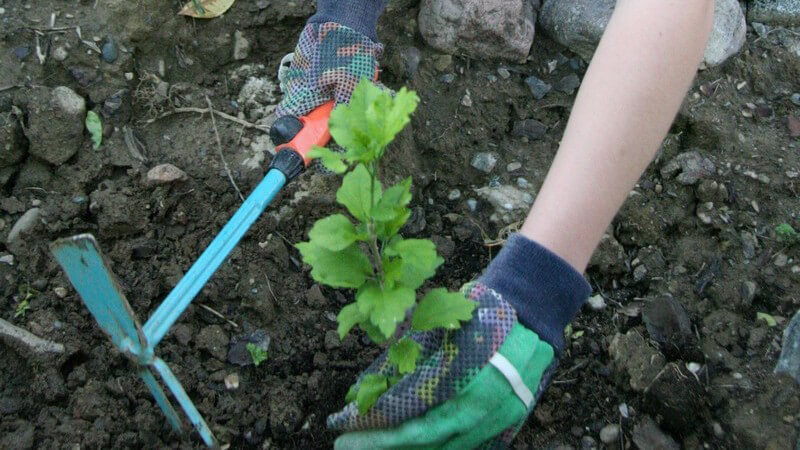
point(698, 243)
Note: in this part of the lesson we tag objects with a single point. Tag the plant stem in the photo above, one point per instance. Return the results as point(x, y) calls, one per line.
point(373, 237)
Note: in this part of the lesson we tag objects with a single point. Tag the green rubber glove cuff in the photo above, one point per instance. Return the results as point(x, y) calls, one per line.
point(486, 407)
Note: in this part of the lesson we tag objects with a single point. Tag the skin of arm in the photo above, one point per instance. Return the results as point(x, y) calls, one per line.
point(632, 90)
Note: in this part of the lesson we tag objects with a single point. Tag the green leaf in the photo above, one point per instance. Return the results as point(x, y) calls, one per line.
point(351, 394)
point(442, 309)
point(334, 233)
point(95, 128)
point(257, 354)
point(385, 230)
point(369, 389)
point(419, 257)
point(787, 234)
point(404, 354)
point(385, 307)
point(348, 317)
point(373, 332)
point(371, 120)
point(348, 268)
point(333, 161)
point(767, 318)
point(355, 193)
point(393, 201)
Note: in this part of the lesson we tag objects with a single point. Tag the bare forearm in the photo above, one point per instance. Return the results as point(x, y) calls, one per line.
point(631, 92)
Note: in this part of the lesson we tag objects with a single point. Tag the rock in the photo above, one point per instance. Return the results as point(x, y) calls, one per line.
point(24, 225)
point(467, 99)
point(12, 149)
point(588, 443)
point(504, 73)
point(789, 361)
point(728, 33)
point(481, 29)
point(55, 123)
point(538, 87)
point(579, 24)
point(692, 167)
point(165, 173)
point(609, 434)
point(484, 161)
point(411, 57)
point(596, 302)
point(454, 194)
point(416, 223)
point(238, 352)
point(472, 204)
point(640, 362)
point(60, 291)
point(609, 257)
point(214, 340)
point(667, 323)
point(7, 259)
point(21, 52)
point(109, 50)
point(241, 46)
point(232, 381)
point(114, 102)
point(513, 167)
point(443, 63)
point(507, 199)
point(747, 292)
point(647, 436)
point(444, 246)
point(775, 12)
point(529, 128)
point(332, 340)
point(60, 54)
point(793, 124)
point(795, 98)
point(568, 84)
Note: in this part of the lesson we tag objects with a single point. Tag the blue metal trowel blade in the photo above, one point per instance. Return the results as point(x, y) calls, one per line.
point(214, 255)
point(86, 269)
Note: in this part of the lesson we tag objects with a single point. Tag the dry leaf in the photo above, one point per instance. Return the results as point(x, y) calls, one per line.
point(205, 9)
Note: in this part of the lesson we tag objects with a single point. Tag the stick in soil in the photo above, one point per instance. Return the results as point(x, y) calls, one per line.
point(219, 149)
point(241, 122)
point(218, 314)
point(28, 340)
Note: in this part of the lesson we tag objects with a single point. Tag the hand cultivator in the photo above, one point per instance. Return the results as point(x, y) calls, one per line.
point(81, 259)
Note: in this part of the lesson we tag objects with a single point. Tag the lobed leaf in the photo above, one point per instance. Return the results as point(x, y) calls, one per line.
point(442, 309)
point(348, 317)
point(369, 389)
point(355, 193)
point(333, 161)
point(419, 260)
point(334, 233)
point(348, 268)
point(404, 354)
point(393, 201)
point(385, 307)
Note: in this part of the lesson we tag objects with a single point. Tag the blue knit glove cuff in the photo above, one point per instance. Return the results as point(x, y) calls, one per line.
point(546, 291)
point(360, 15)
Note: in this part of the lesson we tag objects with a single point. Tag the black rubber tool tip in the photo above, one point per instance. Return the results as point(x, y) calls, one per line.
point(285, 129)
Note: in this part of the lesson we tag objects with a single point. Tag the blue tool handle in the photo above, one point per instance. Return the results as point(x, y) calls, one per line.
point(214, 255)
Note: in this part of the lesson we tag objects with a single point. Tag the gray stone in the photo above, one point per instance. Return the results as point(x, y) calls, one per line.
point(579, 24)
point(24, 225)
point(454, 194)
point(529, 128)
point(55, 123)
point(568, 84)
point(239, 354)
point(504, 73)
point(472, 204)
point(596, 302)
point(514, 166)
point(484, 161)
point(165, 173)
point(60, 53)
point(692, 167)
point(775, 12)
point(538, 87)
point(11, 142)
point(411, 57)
point(647, 436)
point(609, 257)
point(795, 98)
point(634, 358)
point(609, 433)
point(667, 322)
point(789, 362)
point(110, 53)
point(479, 28)
point(747, 292)
point(509, 202)
point(241, 46)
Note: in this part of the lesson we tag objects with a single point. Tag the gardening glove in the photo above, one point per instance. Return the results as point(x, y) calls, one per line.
point(475, 386)
point(337, 48)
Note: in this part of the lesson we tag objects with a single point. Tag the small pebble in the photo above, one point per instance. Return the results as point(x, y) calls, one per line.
point(718, 431)
point(504, 73)
point(467, 100)
point(472, 204)
point(780, 260)
point(513, 166)
point(2, 11)
point(454, 194)
point(110, 52)
point(597, 302)
point(484, 161)
point(522, 182)
point(129, 76)
point(7, 259)
point(447, 78)
point(22, 52)
point(60, 54)
point(609, 433)
point(60, 291)
point(795, 98)
point(36, 202)
point(232, 381)
point(538, 87)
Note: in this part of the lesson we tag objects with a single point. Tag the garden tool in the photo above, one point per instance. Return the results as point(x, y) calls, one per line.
point(81, 259)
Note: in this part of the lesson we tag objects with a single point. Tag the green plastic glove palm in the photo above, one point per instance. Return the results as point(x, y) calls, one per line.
point(472, 387)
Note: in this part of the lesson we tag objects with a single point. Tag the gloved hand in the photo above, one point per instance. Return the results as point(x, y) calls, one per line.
point(329, 61)
point(477, 385)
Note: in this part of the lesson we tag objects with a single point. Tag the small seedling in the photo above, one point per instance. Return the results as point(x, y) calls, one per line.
point(257, 354)
point(787, 234)
point(26, 294)
point(95, 127)
point(370, 256)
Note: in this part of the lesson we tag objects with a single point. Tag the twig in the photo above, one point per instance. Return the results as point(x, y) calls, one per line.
point(218, 314)
point(269, 286)
point(219, 149)
point(241, 122)
point(8, 88)
point(27, 339)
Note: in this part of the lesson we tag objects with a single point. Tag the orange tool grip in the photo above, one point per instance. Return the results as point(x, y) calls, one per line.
point(315, 132)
